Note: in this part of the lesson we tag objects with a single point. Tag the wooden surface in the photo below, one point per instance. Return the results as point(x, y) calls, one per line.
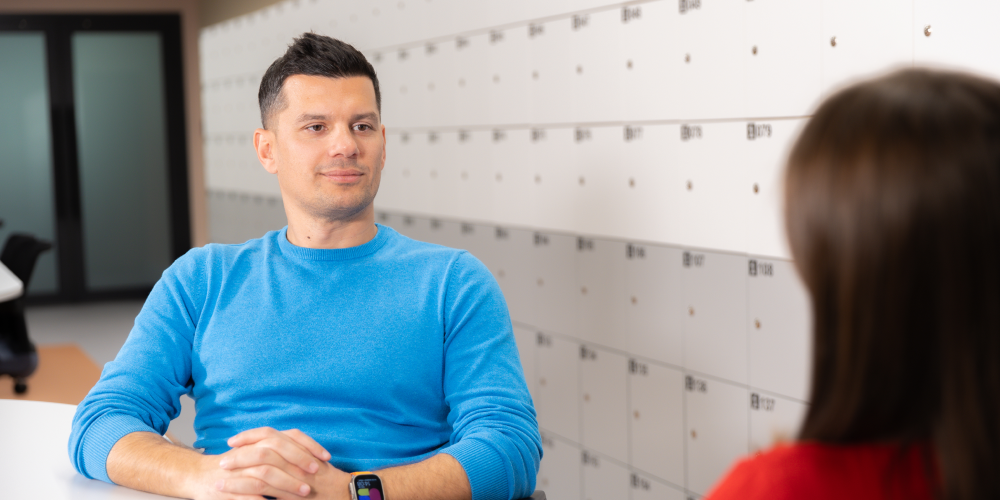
point(65, 375)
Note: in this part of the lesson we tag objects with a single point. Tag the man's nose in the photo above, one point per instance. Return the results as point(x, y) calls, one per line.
point(343, 143)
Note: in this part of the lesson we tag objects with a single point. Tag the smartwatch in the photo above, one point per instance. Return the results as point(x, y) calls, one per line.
point(366, 486)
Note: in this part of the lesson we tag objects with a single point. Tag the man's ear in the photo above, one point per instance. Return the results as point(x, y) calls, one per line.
point(263, 142)
point(383, 146)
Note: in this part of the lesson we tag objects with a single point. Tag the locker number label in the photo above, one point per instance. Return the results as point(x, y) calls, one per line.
point(537, 134)
point(695, 384)
point(758, 131)
point(631, 13)
point(581, 134)
point(496, 36)
point(502, 234)
point(464, 136)
point(584, 244)
point(544, 340)
point(589, 459)
point(689, 132)
point(635, 251)
point(760, 268)
point(580, 21)
point(758, 402)
point(637, 368)
point(468, 228)
point(541, 240)
point(547, 442)
point(640, 483)
point(536, 30)
point(686, 5)
point(587, 353)
point(632, 133)
point(694, 259)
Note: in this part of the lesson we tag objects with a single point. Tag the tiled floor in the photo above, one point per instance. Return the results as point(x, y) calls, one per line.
point(100, 330)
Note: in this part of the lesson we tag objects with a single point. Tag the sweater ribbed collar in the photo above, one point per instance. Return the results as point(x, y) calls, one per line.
point(382, 236)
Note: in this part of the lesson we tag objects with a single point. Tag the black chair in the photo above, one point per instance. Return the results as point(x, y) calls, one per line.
point(18, 357)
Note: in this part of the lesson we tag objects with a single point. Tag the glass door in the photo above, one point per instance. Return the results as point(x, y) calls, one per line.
point(93, 130)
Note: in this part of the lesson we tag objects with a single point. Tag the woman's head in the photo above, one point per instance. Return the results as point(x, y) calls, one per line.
point(893, 217)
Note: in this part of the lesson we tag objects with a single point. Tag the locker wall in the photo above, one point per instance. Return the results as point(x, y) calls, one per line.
point(617, 166)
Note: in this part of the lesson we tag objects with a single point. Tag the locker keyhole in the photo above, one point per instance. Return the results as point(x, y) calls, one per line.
point(586, 397)
point(406, 172)
point(579, 69)
point(756, 323)
point(754, 50)
point(636, 414)
point(402, 89)
point(499, 177)
point(538, 179)
point(629, 64)
point(465, 175)
point(690, 311)
point(690, 185)
point(461, 82)
point(927, 30)
point(434, 174)
point(687, 58)
point(534, 74)
point(694, 434)
point(833, 41)
point(541, 282)
point(501, 273)
point(634, 300)
point(542, 381)
point(496, 78)
point(631, 182)
point(430, 86)
point(583, 290)
point(581, 180)
point(756, 188)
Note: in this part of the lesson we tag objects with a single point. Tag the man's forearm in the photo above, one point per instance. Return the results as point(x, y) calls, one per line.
point(440, 477)
point(145, 461)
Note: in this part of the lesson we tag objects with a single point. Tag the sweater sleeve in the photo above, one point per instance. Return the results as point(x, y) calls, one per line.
point(494, 428)
point(140, 390)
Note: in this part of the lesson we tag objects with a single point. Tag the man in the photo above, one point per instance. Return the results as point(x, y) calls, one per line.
point(368, 350)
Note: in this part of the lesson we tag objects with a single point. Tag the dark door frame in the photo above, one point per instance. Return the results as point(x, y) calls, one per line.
point(58, 31)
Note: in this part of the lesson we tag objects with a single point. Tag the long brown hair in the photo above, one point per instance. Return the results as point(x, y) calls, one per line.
point(893, 216)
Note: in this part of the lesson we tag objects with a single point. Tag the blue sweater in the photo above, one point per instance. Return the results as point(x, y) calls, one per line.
point(385, 353)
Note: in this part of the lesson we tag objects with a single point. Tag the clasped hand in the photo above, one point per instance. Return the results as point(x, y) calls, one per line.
point(280, 464)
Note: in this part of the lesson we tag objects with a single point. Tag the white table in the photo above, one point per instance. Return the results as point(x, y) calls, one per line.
point(34, 462)
point(10, 287)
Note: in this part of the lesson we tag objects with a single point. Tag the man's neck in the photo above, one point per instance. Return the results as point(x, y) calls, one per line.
point(312, 232)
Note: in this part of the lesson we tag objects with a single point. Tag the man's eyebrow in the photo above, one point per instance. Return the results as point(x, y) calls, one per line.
point(305, 117)
point(365, 116)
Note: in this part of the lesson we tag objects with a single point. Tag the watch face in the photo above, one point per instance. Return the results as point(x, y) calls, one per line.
point(368, 487)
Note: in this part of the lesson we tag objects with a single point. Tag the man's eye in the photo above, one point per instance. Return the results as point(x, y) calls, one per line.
point(362, 127)
point(314, 128)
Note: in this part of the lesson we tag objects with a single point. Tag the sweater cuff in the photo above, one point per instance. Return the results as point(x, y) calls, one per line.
point(102, 435)
point(485, 467)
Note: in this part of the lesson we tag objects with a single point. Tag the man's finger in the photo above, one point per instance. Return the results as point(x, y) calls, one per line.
point(310, 444)
point(263, 480)
point(251, 436)
point(278, 451)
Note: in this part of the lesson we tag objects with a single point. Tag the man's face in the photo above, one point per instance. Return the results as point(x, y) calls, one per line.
point(326, 145)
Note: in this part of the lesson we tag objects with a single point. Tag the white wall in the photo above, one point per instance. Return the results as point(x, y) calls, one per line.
point(618, 168)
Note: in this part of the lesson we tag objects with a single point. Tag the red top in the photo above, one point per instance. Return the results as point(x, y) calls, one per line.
point(821, 472)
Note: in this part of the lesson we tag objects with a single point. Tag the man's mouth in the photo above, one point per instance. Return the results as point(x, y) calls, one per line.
point(343, 176)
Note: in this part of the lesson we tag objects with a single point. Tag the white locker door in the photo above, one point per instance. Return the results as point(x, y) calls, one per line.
point(472, 94)
point(555, 290)
point(510, 76)
point(656, 412)
point(712, 163)
point(765, 161)
point(513, 177)
point(647, 488)
point(394, 192)
point(600, 274)
point(446, 232)
point(602, 477)
point(515, 270)
point(411, 76)
point(441, 83)
point(774, 420)
point(709, 65)
point(556, 177)
point(648, 40)
point(598, 66)
point(559, 472)
point(477, 239)
point(863, 37)
point(601, 186)
point(782, 51)
point(475, 178)
point(442, 177)
point(558, 402)
point(653, 191)
point(715, 336)
point(958, 34)
point(527, 348)
point(780, 340)
point(552, 69)
point(604, 400)
point(717, 433)
point(654, 306)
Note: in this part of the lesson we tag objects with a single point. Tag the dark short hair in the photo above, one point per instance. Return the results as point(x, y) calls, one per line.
point(315, 55)
point(893, 216)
